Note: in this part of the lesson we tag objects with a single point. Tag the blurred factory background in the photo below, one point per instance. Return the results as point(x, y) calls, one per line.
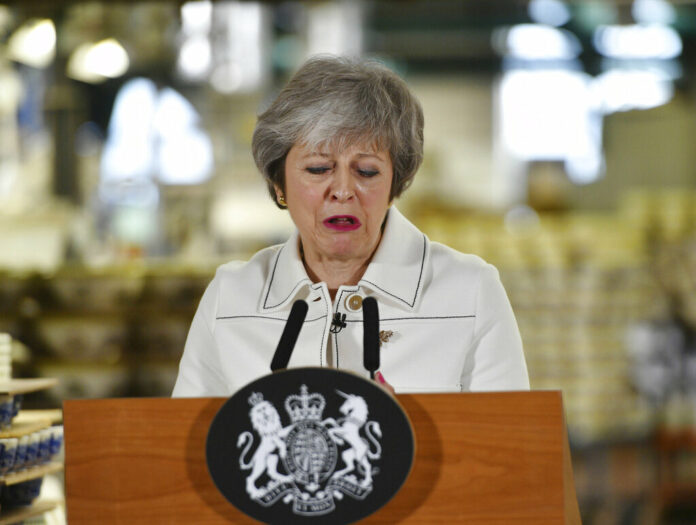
point(560, 146)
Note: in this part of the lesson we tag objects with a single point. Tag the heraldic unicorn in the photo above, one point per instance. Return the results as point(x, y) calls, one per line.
point(297, 463)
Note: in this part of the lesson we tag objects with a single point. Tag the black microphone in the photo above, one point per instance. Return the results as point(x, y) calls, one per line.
point(288, 338)
point(338, 323)
point(370, 335)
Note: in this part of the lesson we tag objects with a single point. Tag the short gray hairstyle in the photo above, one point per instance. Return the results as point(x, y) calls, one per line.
point(339, 101)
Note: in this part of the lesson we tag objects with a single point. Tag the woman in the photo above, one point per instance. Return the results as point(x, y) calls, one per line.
point(342, 140)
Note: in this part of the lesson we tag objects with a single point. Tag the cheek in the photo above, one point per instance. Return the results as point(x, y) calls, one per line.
point(304, 193)
point(376, 199)
point(304, 205)
point(375, 192)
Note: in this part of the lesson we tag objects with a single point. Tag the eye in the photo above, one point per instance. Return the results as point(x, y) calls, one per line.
point(317, 170)
point(368, 172)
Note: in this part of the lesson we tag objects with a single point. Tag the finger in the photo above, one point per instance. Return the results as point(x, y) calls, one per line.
point(383, 382)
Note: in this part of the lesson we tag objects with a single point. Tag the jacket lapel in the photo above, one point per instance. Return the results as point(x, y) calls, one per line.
point(287, 277)
point(397, 270)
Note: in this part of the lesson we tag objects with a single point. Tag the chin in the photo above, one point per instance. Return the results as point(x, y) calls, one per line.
point(345, 250)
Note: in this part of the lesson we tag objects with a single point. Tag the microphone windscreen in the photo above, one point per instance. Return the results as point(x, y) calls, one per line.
point(288, 338)
point(370, 334)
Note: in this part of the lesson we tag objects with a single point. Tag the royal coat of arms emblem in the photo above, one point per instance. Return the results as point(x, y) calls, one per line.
point(312, 461)
point(310, 445)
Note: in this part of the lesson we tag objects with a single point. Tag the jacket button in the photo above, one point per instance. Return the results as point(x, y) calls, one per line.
point(353, 302)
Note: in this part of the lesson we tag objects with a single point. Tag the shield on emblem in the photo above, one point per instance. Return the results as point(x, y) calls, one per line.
point(310, 445)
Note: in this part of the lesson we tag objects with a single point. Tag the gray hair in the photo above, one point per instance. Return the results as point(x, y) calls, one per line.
point(335, 102)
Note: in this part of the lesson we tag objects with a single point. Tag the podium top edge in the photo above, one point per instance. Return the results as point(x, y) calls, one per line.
point(540, 394)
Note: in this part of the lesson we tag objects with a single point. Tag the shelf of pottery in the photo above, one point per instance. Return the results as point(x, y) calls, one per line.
point(579, 284)
point(30, 445)
point(108, 332)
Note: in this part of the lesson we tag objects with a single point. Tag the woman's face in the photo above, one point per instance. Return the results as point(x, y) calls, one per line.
point(338, 201)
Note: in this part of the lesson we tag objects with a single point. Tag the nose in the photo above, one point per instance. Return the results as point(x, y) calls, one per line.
point(342, 186)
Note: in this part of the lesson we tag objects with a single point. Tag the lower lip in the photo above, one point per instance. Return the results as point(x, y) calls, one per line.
point(342, 226)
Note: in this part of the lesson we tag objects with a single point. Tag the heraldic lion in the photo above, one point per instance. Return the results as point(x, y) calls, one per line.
point(266, 421)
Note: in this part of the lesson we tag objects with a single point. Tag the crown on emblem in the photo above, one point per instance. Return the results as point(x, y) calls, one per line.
point(305, 406)
point(255, 398)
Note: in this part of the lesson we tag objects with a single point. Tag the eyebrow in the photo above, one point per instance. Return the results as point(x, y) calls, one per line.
point(375, 155)
point(327, 155)
point(314, 154)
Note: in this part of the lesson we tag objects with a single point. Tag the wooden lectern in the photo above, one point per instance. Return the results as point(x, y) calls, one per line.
point(480, 458)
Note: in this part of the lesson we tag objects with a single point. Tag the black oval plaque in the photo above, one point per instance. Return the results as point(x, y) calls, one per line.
point(310, 445)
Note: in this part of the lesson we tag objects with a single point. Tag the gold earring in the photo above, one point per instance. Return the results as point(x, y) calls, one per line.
point(281, 200)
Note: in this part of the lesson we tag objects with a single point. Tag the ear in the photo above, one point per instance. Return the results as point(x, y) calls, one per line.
point(278, 191)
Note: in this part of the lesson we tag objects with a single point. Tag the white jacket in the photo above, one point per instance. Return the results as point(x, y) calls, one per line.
point(452, 325)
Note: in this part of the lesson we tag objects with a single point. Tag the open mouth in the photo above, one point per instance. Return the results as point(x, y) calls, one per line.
point(342, 222)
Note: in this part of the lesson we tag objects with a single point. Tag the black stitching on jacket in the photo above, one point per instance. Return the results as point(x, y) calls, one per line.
point(323, 332)
point(302, 282)
point(275, 265)
point(420, 277)
point(415, 318)
point(264, 317)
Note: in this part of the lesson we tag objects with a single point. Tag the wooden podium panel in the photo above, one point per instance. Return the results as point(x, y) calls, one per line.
point(480, 458)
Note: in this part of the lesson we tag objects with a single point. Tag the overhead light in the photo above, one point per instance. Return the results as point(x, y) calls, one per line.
point(153, 134)
point(195, 57)
point(196, 17)
point(653, 41)
point(185, 154)
point(624, 90)
point(536, 42)
point(551, 12)
point(196, 53)
point(335, 28)
point(34, 43)
point(173, 114)
point(547, 115)
point(96, 62)
point(185, 157)
point(586, 169)
point(241, 61)
point(653, 12)
point(127, 154)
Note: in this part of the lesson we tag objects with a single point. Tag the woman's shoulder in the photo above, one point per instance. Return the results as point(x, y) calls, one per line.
point(459, 278)
point(257, 264)
point(446, 259)
point(237, 284)
point(261, 258)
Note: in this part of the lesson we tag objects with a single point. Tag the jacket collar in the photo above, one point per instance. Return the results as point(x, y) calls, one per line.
point(287, 277)
point(395, 273)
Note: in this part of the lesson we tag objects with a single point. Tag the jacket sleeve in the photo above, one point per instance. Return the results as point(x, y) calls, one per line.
point(199, 368)
point(495, 360)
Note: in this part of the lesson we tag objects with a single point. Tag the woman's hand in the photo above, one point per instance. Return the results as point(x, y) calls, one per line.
point(380, 379)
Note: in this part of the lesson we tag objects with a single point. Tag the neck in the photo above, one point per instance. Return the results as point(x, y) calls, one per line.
point(335, 272)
